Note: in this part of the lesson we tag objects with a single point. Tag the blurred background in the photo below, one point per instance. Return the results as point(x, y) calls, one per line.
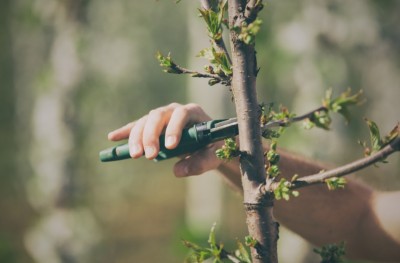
point(72, 70)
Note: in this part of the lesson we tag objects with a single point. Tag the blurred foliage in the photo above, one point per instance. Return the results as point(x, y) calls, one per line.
point(73, 70)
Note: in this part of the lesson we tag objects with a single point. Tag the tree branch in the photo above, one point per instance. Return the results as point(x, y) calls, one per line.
point(259, 210)
point(389, 149)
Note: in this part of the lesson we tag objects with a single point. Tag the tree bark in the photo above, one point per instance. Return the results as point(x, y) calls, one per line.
point(258, 205)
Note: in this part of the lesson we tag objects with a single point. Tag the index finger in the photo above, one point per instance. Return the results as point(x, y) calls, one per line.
point(121, 133)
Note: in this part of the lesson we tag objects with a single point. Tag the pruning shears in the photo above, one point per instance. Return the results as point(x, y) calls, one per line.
point(193, 139)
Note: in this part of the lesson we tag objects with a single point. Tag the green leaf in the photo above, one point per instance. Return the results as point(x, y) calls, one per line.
point(342, 103)
point(211, 237)
point(376, 142)
point(242, 253)
point(320, 119)
point(199, 254)
point(219, 60)
point(250, 241)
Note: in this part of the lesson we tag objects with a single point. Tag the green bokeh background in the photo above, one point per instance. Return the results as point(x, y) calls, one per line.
point(71, 71)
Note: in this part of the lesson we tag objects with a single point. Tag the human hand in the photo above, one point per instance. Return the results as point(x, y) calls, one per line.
point(144, 136)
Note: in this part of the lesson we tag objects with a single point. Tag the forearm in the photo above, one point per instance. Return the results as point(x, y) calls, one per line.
point(322, 216)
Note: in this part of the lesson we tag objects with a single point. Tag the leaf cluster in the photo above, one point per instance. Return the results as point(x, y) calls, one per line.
point(216, 252)
point(228, 151)
point(332, 253)
point(219, 60)
point(201, 254)
point(167, 64)
point(214, 20)
point(272, 159)
point(341, 104)
point(283, 190)
point(267, 114)
point(247, 32)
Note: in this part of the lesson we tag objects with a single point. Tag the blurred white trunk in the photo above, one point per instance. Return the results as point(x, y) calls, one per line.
point(62, 233)
point(204, 193)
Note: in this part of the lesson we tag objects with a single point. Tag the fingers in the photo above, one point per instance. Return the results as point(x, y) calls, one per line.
point(155, 124)
point(135, 138)
point(144, 133)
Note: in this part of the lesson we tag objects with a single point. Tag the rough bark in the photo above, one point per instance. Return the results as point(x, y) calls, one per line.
point(258, 206)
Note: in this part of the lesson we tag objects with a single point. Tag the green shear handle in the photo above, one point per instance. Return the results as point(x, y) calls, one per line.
point(193, 139)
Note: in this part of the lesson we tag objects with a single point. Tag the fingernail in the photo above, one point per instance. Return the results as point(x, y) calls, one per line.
point(149, 151)
point(135, 150)
point(170, 141)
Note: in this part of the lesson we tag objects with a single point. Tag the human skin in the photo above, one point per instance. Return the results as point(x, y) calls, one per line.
point(367, 220)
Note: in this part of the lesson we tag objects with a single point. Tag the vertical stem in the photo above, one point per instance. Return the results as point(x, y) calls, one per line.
point(258, 206)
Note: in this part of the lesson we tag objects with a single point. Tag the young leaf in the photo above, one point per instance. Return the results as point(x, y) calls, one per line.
point(228, 151)
point(167, 64)
point(283, 191)
point(242, 253)
point(335, 183)
point(250, 241)
point(248, 32)
point(214, 20)
point(341, 103)
point(376, 142)
point(221, 64)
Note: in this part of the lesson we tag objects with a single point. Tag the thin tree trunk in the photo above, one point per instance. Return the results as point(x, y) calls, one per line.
point(258, 206)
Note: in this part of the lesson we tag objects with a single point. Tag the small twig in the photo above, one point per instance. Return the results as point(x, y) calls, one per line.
point(180, 70)
point(286, 122)
point(308, 115)
point(389, 149)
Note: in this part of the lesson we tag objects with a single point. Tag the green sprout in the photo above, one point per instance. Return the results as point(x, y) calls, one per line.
point(242, 254)
point(167, 64)
point(228, 151)
point(376, 142)
point(335, 183)
point(200, 254)
point(283, 191)
point(219, 60)
point(332, 253)
point(248, 32)
point(341, 104)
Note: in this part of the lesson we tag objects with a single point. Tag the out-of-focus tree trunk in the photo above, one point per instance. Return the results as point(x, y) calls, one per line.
point(64, 232)
point(15, 212)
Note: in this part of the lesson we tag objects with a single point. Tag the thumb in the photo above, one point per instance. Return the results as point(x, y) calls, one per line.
point(198, 162)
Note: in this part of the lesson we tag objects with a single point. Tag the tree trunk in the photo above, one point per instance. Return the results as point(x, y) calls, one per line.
point(258, 206)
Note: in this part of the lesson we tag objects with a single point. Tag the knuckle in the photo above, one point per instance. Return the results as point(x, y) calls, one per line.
point(174, 105)
point(193, 107)
point(182, 111)
point(157, 112)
